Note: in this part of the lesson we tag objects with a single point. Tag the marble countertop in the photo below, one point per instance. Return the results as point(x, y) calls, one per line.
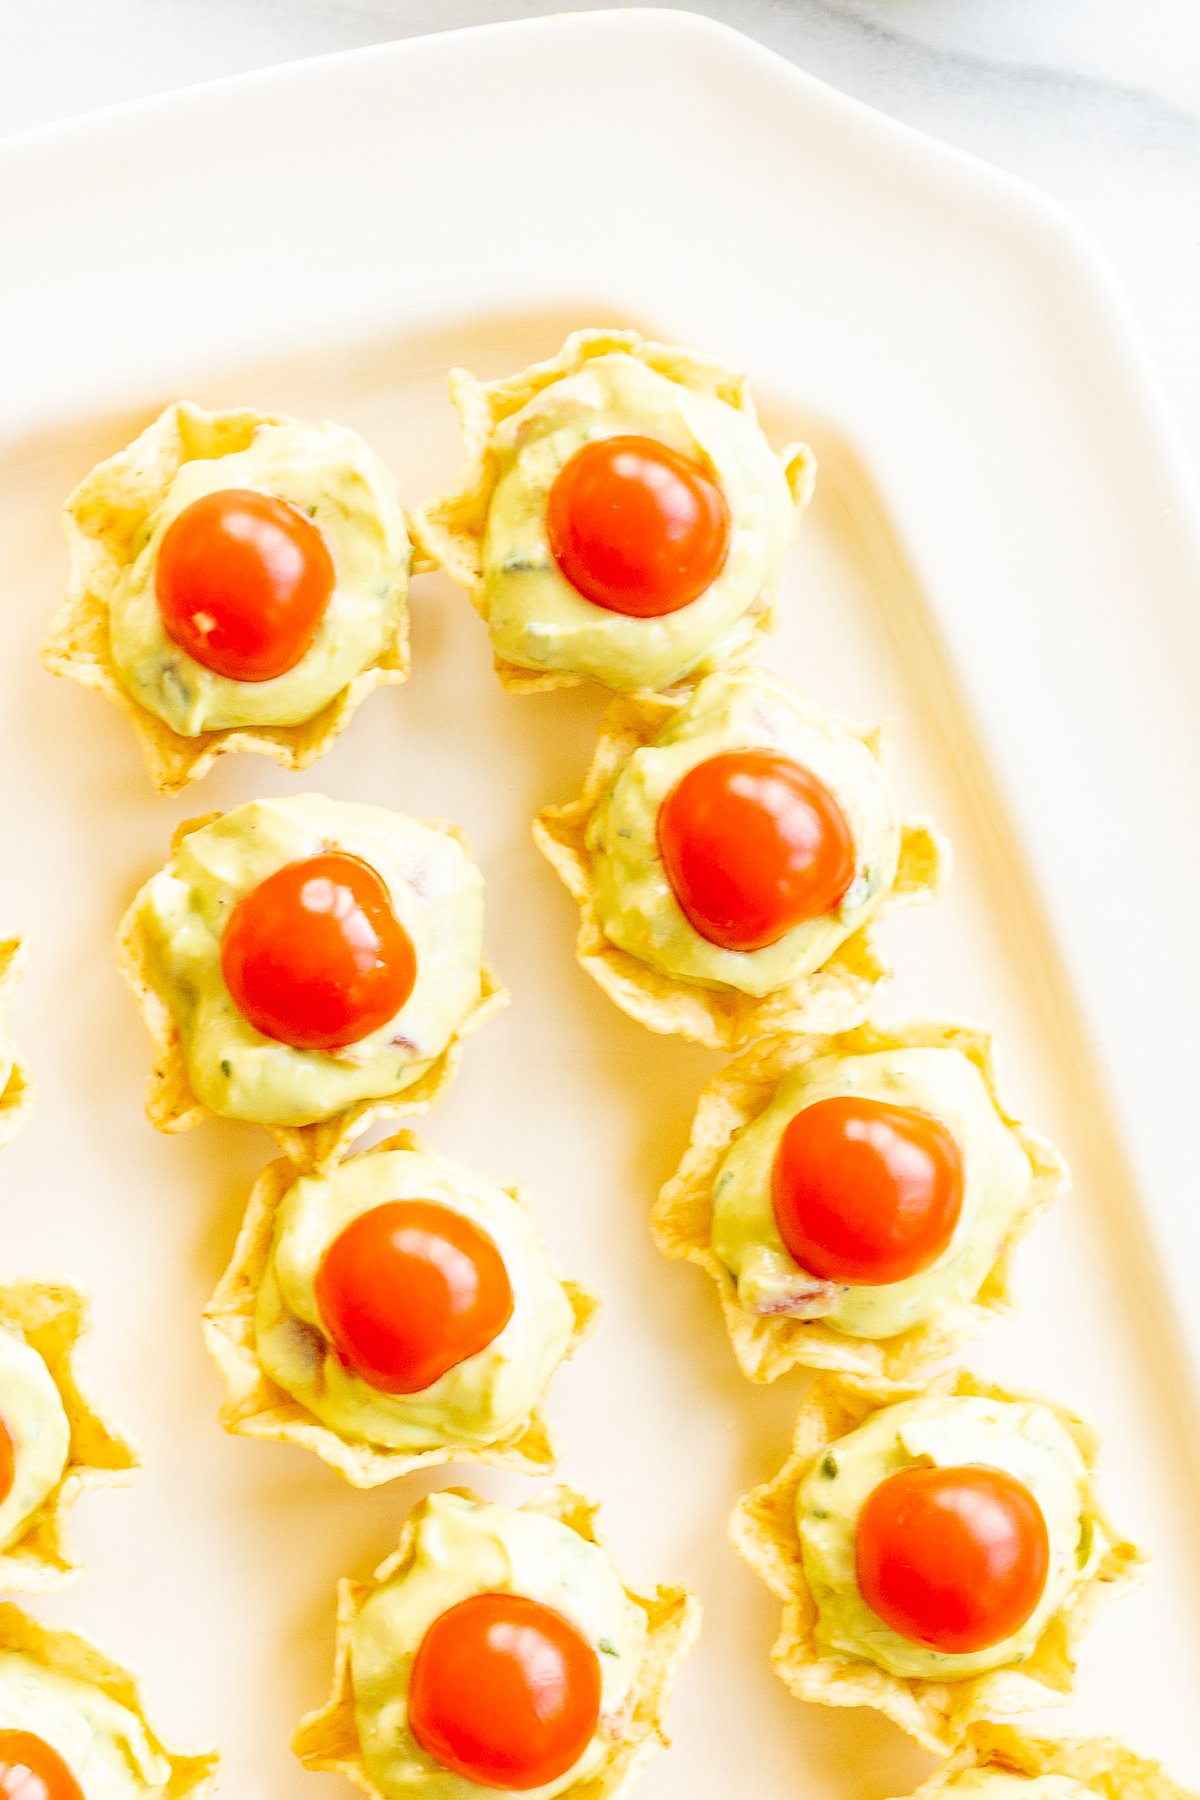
point(1096, 101)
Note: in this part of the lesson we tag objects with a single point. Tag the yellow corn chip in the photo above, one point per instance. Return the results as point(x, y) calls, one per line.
point(450, 531)
point(171, 1104)
point(16, 1096)
point(937, 1713)
point(256, 1407)
point(328, 1738)
point(105, 518)
point(831, 998)
point(53, 1320)
point(1106, 1767)
point(62, 1653)
point(767, 1347)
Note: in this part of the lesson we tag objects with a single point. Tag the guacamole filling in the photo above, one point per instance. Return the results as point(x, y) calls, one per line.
point(996, 1183)
point(329, 475)
point(537, 619)
point(739, 710)
point(436, 892)
point(465, 1547)
point(32, 1413)
point(480, 1401)
point(1023, 1438)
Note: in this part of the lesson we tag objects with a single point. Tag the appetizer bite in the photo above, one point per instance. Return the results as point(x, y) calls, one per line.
point(53, 1442)
point(728, 852)
point(309, 965)
point(621, 517)
point(16, 1091)
point(939, 1551)
point(73, 1727)
point(393, 1312)
point(238, 581)
point(857, 1199)
point(498, 1650)
point(999, 1762)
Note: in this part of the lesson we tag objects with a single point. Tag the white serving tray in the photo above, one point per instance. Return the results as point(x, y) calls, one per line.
point(1003, 554)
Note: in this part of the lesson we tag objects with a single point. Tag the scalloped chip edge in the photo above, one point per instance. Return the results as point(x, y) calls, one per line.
point(765, 1347)
point(102, 517)
point(937, 1714)
point(448, 532)
point(256, 1407)
point(830, 999)
point(171, 1104)
point(327, 1739)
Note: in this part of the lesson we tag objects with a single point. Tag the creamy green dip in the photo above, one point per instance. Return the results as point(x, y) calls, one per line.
point(1023, 1438)
point(1004, 1784)
point(105, 1746)
point(481, 1399)
point(436, 892)
point(996, 1183)
point(536, 618)
point(741, 709)
point(32, 1412)
point(330, 476)
point(466, 1547)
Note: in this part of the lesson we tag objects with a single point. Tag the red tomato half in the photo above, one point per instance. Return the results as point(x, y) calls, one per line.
point(955, 1559)
point(242, 581)
point(409, 1290)
point(31, 1770)
point(637, 528)
point(315, 957)
point(866, 1192)
point(504, 1692)
point(753, 844)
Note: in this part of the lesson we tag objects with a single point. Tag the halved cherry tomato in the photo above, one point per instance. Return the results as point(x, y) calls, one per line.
point(8, 1462)
point(955, 1559)
point(315, 957)
point(242, 581)
point(866, 1192)
point(504, 1691)
point(754, 844)
point(637, 528)
point(31, 1770)
point(410, 1289)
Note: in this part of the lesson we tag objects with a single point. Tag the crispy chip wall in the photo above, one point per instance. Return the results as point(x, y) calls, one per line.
point(328, 1738)
point(105, 517)
point(1111, 1771)
point(172, 1106)
point(449, 531)
point(63, 1653)
point(53, 1320)
point(767, 1347)
point(938, 1714)
point(832, 998)
point(256, 1407)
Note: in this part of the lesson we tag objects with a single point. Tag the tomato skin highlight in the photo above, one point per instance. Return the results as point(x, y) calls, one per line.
point(315, 957)
point(504, 1692)
point(242, 582)
point(866, 1192)
point(30, 1769)
point(409, 1290)
point(954, 1559)
point(637, 528)
point(754, 844)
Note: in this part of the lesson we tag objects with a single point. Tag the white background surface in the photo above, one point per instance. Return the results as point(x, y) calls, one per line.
point(1097, 101)
point(215, 1574)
